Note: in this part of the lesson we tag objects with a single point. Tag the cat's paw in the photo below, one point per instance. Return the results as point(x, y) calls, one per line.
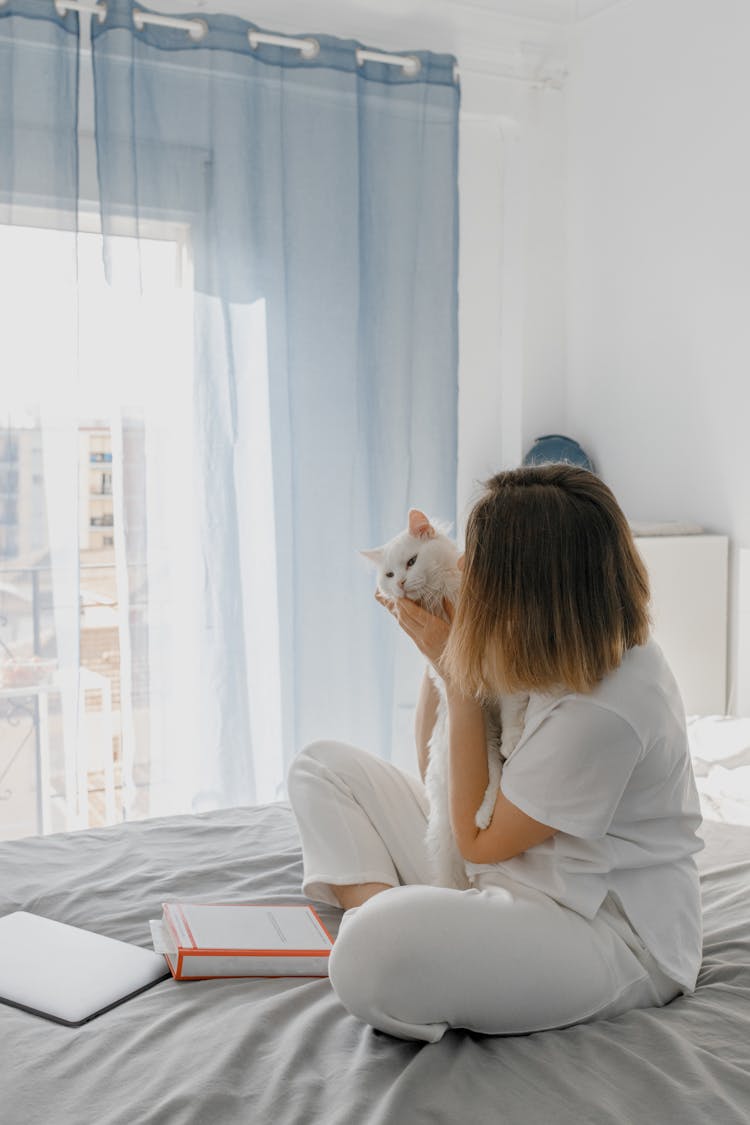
point(483, 816)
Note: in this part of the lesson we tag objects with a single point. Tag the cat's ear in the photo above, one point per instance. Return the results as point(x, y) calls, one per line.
point(374, 555)
point(419, 525)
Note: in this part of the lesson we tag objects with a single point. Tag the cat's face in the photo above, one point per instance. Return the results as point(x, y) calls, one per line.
point(419, 563)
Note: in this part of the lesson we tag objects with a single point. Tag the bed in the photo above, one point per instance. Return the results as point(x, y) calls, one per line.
point(286, 1051)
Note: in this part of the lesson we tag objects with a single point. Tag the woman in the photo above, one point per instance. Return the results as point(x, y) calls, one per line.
point(585, 900)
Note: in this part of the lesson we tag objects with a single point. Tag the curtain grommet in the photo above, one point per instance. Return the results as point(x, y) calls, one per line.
point(410, 64)
point(311, 50)
point(308, 47)
point(62, 8)
point(198, 30)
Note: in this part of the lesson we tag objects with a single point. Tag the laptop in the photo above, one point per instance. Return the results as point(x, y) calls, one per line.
point(67, 974)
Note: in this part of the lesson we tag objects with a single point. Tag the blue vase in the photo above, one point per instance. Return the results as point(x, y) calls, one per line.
point(557, 447)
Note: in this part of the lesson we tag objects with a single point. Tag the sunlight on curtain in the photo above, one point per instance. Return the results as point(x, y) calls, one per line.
point(136, 373)
point(40, 684)
point(112, 586)
point(40, 542)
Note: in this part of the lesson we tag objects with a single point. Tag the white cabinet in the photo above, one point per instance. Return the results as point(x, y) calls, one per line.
point(688, 576)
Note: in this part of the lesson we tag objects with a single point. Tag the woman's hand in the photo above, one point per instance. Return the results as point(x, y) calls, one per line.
point(429, 633)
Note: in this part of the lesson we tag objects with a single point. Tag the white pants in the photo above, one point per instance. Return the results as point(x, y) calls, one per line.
point(418, 959)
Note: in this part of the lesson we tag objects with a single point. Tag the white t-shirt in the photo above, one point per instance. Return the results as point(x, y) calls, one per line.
point(611, 770)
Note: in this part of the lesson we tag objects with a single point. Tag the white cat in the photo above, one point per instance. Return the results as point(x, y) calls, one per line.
point(421, 564)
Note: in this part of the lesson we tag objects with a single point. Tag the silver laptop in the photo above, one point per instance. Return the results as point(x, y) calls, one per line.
point(68, 974)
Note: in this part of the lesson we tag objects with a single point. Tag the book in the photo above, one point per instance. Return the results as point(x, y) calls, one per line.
point(206, 940)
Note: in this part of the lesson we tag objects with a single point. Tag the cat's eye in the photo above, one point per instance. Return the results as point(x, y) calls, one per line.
point(412, 560)
point(389, 574)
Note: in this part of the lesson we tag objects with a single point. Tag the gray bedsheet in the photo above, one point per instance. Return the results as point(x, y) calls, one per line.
point(284, 1051)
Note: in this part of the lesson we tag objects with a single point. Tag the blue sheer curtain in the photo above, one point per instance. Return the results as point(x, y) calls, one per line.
point(316, 200)
point(39, 562)
point(38, 109)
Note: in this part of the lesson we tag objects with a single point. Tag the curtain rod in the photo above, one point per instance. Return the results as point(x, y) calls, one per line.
point(197, 28)
point(308, 47)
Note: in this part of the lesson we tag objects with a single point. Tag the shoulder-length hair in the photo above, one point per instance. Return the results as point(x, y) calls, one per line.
point(554, 591)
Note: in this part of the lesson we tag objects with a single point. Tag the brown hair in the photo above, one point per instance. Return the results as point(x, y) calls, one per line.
point(554, 591)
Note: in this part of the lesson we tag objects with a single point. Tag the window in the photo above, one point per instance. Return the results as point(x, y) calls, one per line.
point(93, 498)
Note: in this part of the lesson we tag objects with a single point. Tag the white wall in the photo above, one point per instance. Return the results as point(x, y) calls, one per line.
point(511, 313)
point(545, 327)
point(658, 251)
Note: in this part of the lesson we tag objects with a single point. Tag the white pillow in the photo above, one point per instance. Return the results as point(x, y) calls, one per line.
point(720, 750)
point(718, 740)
